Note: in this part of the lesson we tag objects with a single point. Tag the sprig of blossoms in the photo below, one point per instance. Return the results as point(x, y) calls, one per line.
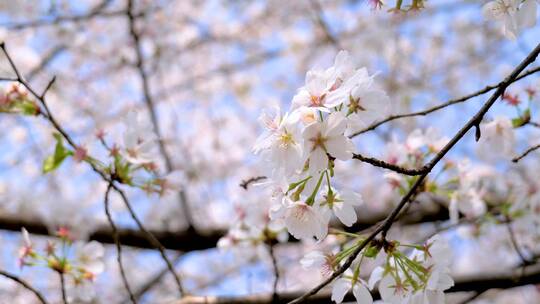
point(410, 274)
point(299, 147)
point(16, 100)
point(419, 277)
point(81, 262)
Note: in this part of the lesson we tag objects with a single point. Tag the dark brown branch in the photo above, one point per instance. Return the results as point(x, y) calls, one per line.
point(383, 229)
point(190, 241)
point(522, 155)
point(382, 164)
point(524, 260)
point(118, 245)
point(443, 105)
point(181, 240)
point(63, 287)
point(275, 269)
point(24, 284)
point(245, 183)
point(153, 240)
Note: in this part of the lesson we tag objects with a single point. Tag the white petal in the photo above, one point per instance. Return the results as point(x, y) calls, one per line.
point(338, 147)
point(335, 125)
point(318, 161)
point(313, 259)
point(340, 289)
point(362, 294)
point(376, 276)
point(345, 213)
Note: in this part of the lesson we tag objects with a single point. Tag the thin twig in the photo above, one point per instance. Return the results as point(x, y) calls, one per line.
point(118, 245)
point(63, 287)
point(387, 224)
point(443, 105)
point(522, 155)
point(154, 241)
point(275, 269)
point(513, 240)
point(154, 280)
point(245, 183)
point(24, 284)
point(382, 164)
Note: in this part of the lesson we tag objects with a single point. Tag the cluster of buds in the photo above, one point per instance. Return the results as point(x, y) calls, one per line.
point(78, 260)
point(523, 109)
point(16, 100)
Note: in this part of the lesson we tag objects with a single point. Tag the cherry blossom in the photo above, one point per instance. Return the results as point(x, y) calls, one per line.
point(89, 257)
point(497, 133)
point(342, 205)
point(515, 15)
point(282, 142)
point(138, 139)
point(327, 137)
point(304, 221)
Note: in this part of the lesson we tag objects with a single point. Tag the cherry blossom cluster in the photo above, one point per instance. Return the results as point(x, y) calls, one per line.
point(135, 157)
point(79, 261)
point(409, 274)
point(299, 147)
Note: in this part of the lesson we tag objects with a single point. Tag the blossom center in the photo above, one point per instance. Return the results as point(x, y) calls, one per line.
point(286, 139)
point(354, 105)
point(318, 142)
point(317, 101)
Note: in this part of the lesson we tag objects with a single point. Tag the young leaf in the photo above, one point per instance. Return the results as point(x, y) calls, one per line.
point(60, 153)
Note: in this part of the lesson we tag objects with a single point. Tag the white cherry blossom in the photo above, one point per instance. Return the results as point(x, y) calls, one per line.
point(498, 139)
point(139, 139)
point(327, 137)
point(89, 256)
point(281, 144)
point(304, 221)
point(342, 205)
point(515, 15)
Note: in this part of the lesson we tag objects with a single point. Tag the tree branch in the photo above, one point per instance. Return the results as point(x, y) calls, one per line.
point(474, 121)
point(382, 164)
point(25, 285)
point(443, 105)
point(118, 245)
point(522, 155)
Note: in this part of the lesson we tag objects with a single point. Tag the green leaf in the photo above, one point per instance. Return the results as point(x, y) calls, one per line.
point(28, 108)
point(52, 162)
point(517, 122)
point(522, 120)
